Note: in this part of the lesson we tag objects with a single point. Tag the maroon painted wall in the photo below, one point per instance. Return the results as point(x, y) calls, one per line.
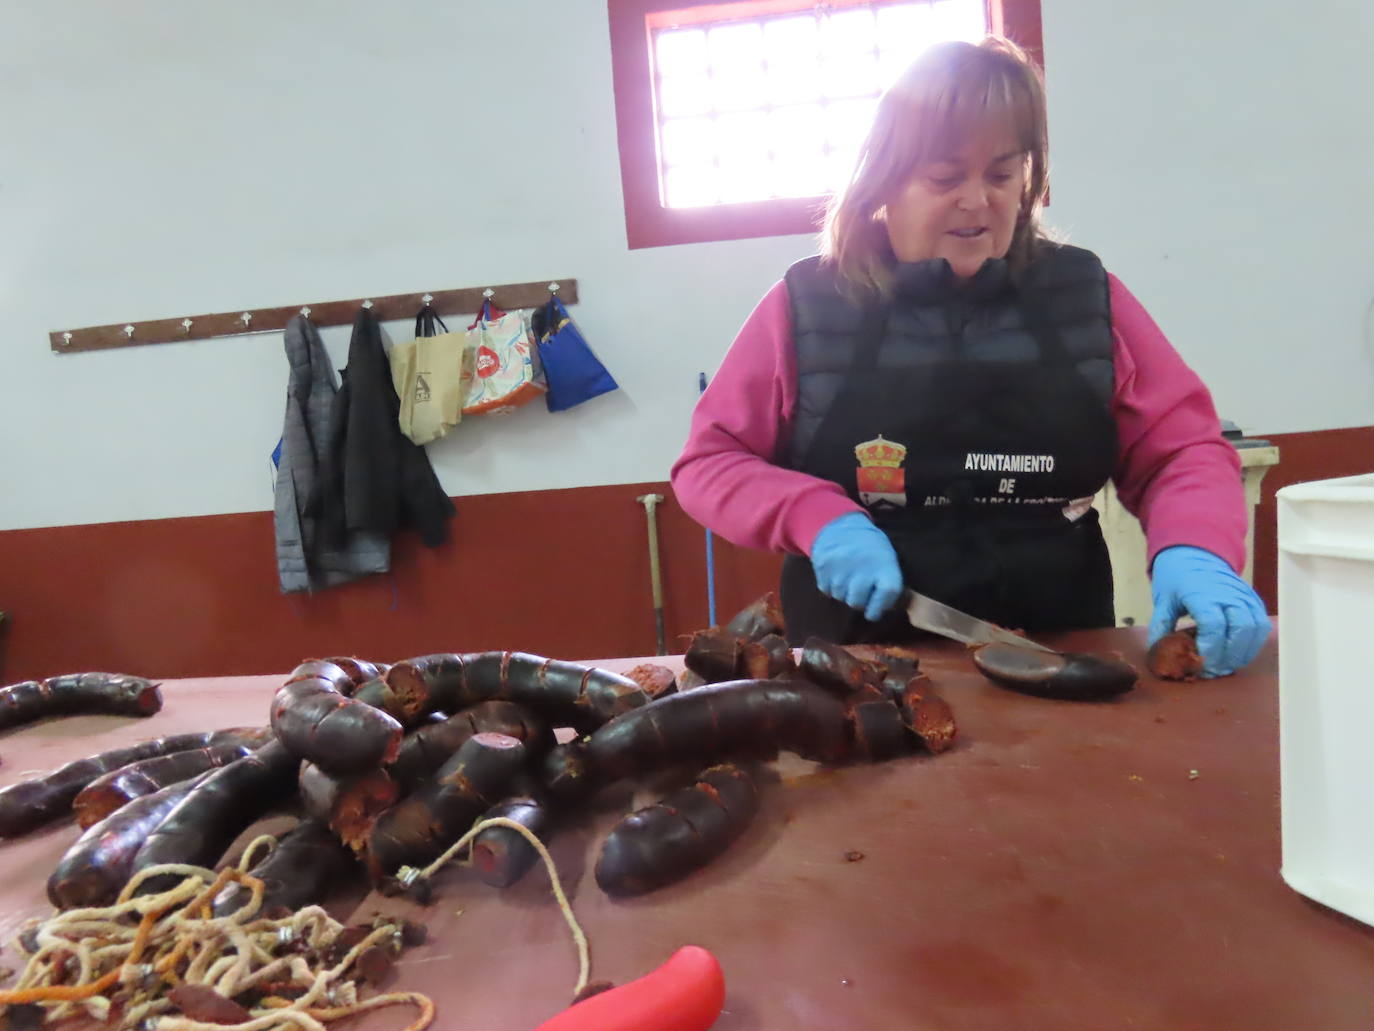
point(562, 573)
point(1319, 455)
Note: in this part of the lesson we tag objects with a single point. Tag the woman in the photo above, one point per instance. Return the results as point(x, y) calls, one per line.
point(933, 401)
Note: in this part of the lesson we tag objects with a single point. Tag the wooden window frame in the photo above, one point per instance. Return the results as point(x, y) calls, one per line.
point(648, 222)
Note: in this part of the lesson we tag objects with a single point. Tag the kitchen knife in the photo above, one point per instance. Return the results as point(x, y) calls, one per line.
point(937, 617)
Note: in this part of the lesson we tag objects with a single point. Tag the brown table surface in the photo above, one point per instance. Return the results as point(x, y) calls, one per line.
point(1059, 869)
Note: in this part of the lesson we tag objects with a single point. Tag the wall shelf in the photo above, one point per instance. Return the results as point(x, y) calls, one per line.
point(462, 301)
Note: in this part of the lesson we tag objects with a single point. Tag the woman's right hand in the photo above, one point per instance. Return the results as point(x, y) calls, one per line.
point(856, 564)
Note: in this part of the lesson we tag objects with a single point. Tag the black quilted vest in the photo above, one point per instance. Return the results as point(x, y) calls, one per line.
point(825, 326)
point(965, 418)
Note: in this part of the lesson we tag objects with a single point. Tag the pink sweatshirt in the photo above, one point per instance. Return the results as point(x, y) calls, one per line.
point(1174, 471)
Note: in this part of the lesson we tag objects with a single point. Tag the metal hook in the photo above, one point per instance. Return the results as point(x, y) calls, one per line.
point(488, 293)
point(553, 288)
point(306, 311)
point(186, 325)
point(367, 304)
point(66, 338)
point(129, 332)
point(428, 299)
point(246, 318)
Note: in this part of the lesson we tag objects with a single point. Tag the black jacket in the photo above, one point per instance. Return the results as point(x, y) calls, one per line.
point(373, 477)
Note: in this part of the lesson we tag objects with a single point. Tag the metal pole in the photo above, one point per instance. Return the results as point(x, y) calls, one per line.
point(710, 548)
point(650, 503)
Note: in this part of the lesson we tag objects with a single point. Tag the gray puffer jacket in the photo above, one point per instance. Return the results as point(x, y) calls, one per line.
point(304, 563)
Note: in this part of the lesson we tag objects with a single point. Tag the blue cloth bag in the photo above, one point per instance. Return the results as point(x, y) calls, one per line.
point(574, 374)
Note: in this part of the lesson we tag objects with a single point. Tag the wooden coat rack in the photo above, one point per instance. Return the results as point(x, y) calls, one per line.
point(464, 301)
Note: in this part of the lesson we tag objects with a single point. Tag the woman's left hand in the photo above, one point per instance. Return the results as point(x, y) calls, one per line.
point(1232, 625)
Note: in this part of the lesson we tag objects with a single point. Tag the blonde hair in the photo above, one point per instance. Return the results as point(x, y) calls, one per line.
point(948, 94)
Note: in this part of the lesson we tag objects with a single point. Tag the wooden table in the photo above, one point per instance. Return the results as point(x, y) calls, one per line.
point(1062, 868)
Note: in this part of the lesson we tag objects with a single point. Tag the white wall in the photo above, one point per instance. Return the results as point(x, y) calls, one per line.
point(163, 159)
point(1219, 156)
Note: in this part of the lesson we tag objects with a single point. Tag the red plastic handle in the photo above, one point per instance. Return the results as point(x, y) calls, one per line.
point(687, 993)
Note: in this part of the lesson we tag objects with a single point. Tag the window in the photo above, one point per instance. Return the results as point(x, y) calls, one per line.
point(738, 119)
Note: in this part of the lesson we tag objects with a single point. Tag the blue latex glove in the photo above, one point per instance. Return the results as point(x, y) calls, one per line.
point(1232, 625)
point(855, 564)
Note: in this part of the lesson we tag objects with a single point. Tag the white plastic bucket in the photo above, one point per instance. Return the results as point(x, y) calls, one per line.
point(1326, 691)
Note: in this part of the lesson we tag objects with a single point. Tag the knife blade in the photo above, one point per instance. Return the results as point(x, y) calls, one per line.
point(938, 618)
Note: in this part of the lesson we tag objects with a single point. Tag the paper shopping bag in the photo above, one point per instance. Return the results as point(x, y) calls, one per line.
point(431, 375)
